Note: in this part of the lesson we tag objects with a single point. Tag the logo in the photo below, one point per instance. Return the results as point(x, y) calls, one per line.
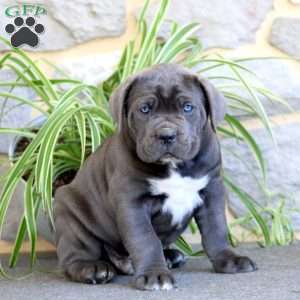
point(24, 30)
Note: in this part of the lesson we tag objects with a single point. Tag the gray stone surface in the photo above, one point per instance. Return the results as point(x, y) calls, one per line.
point(91, 69)
point(17, 117)
point(285, 35)
point(283, 169)
point(226, 24)
point(69, 23)
point(274, 74)
point(277, 278)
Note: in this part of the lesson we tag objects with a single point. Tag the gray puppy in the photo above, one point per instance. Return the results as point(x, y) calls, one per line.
point(137, 193)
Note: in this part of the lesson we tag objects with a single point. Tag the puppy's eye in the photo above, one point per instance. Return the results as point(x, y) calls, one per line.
point(145, 109)
point(188, 107)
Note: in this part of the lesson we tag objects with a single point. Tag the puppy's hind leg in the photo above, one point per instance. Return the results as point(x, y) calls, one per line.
point(80, 252)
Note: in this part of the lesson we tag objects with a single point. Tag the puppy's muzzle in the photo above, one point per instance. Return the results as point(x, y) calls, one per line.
point(166, 135)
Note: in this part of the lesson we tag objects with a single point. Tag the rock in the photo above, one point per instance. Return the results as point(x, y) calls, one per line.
point(285, 35)
point(15, 116)
point(273, 74)
point(68, 23)
point(281, 79)
point(283, 169)
point(91, 69)
point(225, 24)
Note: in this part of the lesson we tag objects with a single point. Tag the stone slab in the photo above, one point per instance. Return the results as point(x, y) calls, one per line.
point(283, 169)
point(226, 24)
point(69, 23)
point(285, 35)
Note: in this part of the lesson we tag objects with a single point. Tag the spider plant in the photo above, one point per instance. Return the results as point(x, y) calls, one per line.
point(77, 119)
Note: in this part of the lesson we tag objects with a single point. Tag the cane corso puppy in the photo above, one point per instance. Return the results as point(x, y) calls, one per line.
point(139, 190)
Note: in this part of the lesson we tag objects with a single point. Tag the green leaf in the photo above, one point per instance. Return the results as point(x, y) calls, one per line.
point(128, 66)
point(183, 245)
point(30, 217)
point(177, 39)
point(24, 101)
point(18, 131)
point(150, 37)
point(246, 136)
point(95, 131)
point(18, 243)
point(248, 202)
point(80, 120)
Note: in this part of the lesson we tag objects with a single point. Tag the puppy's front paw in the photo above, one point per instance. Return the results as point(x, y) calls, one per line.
point(98, 272)
point(228, 262)
point(154, 280)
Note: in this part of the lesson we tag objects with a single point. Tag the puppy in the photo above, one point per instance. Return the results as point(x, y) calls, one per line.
point(139, 190)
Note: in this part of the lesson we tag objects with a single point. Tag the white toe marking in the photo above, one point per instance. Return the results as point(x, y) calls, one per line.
point(182, 194)
point(155, 287)
point(167, 286)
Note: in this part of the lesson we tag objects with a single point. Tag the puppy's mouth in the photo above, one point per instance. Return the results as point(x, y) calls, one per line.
point(153, 151)
point(169, 158)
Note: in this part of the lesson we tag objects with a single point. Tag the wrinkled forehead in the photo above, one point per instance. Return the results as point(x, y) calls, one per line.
point(163, 86)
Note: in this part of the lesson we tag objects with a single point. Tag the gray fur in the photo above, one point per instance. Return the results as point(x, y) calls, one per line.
point(110, 220)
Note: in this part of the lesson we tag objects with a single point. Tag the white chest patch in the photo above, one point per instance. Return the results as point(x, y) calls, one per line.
point(182, 194)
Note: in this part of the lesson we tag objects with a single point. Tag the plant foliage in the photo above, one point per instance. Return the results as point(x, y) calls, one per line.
point(77, 121)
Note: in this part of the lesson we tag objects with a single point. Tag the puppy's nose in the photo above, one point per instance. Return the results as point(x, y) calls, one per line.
point(167, 135)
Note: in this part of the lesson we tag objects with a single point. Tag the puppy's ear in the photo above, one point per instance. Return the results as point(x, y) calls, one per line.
point(215, 106)
point(118, 101)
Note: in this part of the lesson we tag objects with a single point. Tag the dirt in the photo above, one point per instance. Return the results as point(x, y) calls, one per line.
point(61, 180)
point(64, 179)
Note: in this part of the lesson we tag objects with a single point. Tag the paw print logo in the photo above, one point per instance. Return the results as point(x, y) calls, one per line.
point(24, 33)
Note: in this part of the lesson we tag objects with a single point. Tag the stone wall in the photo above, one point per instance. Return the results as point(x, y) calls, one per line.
point(85, 38)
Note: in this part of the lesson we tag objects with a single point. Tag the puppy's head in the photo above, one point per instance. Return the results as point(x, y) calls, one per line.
point(165, 109)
